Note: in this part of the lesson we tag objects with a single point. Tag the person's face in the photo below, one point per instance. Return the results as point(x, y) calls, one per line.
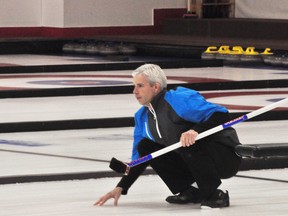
point(143, 91)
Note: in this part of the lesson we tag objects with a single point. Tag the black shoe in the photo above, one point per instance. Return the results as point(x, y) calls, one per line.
point(218, 200)
point(191, 195)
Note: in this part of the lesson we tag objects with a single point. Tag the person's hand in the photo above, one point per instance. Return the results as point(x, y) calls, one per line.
point(115, 193)
point(188, 138)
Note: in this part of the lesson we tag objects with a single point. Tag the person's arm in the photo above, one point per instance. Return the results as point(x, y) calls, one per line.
point(127, 180)
point(215, 119)
point(188, 138)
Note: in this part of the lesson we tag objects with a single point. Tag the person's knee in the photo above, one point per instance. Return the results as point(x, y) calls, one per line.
point(234, 165)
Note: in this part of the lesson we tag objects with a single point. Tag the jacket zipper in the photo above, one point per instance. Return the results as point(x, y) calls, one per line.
point(155, 118)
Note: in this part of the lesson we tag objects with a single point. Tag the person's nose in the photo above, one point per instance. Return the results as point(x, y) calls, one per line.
point(135, 90)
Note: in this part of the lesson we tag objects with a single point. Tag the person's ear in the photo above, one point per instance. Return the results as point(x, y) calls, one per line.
point(157, 87)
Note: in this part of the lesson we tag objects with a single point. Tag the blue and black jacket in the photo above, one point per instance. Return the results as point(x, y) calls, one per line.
point(174, 112)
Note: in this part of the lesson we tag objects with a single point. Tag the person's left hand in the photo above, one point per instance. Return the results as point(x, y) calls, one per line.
point(188, 138)
point(115, 193)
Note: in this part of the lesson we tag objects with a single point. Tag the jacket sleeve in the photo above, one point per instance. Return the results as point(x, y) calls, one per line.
point(215, 119)
point(127, 180)
point(138, 132)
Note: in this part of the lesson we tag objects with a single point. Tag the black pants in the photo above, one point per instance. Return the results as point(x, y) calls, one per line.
point(206, 163)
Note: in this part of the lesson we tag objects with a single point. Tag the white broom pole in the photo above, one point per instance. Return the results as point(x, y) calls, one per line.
point(210, 132)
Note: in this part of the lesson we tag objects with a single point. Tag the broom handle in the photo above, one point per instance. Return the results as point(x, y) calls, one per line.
point(209, 132)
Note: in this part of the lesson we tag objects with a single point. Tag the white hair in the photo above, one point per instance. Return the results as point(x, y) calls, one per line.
point(153, 73)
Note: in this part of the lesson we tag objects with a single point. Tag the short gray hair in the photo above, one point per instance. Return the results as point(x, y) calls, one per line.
point(153, 73)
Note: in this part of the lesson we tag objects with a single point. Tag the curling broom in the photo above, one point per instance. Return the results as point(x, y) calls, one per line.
point(124, 168)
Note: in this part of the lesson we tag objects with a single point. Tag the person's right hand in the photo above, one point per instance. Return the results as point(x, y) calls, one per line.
point(115, 193)
point(188, 138)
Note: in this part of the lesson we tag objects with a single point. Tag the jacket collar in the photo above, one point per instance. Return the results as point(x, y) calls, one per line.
point(158, 98)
